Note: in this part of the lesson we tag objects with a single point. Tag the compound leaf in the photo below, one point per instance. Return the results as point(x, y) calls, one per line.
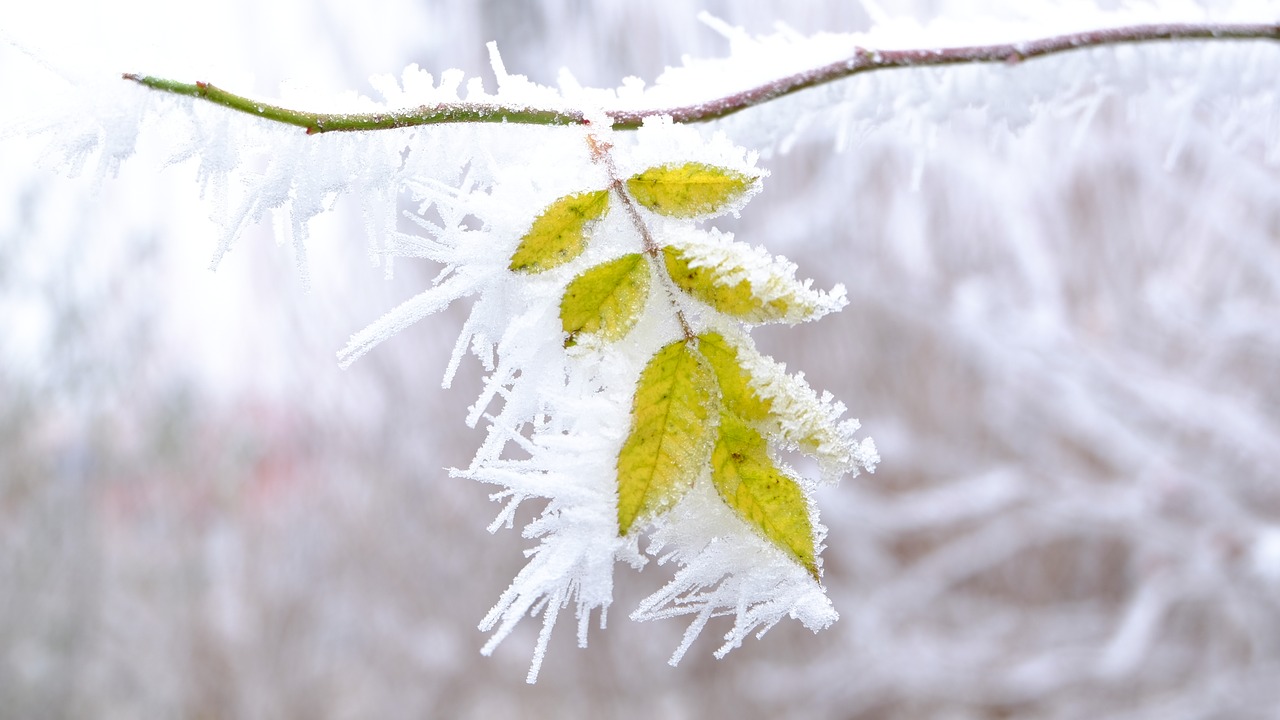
point(761, 494)
point(606, 299)
point(559, 234)
point(689, 190)
point(735, 382)
point(672, 428)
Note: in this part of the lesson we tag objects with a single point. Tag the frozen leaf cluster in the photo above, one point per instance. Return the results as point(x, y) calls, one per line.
point(625, 392)
point(622, 392)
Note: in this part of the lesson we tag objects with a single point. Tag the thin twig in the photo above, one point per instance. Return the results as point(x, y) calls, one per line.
point(600, 154)
point(863, 60)
point(460, 112)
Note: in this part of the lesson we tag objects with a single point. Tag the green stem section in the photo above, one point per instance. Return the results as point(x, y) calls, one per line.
point(347, 122)
point(863, 60)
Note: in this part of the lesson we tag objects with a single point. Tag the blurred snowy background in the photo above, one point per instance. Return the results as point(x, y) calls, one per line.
point(1065, 342)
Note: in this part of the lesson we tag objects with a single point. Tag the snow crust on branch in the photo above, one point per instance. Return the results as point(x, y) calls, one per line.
point(1006, 97)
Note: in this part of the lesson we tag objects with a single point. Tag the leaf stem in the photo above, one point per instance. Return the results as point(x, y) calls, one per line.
point(863, 60)
point(600, 154)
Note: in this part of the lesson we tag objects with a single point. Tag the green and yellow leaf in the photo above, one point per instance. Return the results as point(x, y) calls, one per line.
point(559, 234)
point(689, 190)
point(605, 300)
point(761, 494)
point(672, 430)
point(735, 383)
point(736, 299)
point(742, 281)
point(802, 419)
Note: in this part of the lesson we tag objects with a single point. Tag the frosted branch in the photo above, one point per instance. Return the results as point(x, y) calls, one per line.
point(863, 60)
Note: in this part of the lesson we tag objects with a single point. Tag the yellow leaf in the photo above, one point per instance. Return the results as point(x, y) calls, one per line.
point(737, 299)
point(672, 427)
point(559, 234)
point(689, 190)
point(761, 494)
point(735, 382)
point(606, 299)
